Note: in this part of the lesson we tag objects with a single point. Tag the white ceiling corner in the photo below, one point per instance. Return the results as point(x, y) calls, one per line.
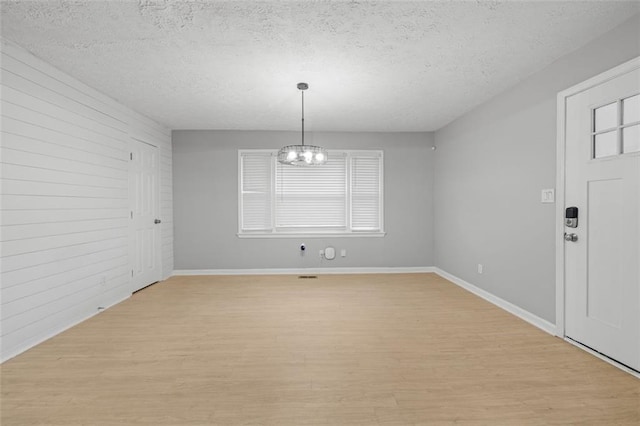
point(371, 65)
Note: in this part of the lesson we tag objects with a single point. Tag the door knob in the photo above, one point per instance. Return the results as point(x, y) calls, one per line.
point(570, 237)
point(157, 221)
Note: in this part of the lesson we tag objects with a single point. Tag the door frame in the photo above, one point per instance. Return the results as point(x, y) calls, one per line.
point(611, 74)
point(134, 139)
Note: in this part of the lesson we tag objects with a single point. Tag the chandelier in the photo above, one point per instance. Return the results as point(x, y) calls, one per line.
point(302, 155)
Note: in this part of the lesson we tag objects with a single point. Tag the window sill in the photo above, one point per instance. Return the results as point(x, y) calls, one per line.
point(313, 235)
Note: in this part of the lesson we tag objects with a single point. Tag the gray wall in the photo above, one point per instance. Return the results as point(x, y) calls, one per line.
point(205, 173)
point(490, 166)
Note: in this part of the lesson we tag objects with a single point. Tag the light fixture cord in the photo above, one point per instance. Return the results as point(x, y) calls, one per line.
point(302, 117)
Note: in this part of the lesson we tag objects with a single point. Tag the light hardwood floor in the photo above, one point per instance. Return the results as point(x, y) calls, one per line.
point(396, 349)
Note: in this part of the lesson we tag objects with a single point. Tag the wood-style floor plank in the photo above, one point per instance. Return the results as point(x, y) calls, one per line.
point(387, 349)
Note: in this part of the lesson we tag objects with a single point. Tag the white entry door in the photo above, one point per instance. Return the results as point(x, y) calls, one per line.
point(145, 228)
point(602, 254)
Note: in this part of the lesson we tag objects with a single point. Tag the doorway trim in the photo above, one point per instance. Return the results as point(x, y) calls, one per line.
point(617, 71)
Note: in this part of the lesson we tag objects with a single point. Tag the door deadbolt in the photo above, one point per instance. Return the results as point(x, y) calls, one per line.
point(570, 237)
point(571, 217)
point(157, 221)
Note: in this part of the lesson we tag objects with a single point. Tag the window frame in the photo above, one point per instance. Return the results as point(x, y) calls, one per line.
point(274, 232)
point(618, 128)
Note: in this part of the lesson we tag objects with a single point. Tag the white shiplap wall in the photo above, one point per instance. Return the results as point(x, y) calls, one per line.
point(64, 205)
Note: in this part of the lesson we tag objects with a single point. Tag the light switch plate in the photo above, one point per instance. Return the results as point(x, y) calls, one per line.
point(548, 195)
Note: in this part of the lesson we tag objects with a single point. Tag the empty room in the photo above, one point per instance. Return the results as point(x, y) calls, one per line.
point(319, 212)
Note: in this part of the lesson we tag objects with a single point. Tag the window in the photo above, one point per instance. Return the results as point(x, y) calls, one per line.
point(342, 197)
point(616, 128)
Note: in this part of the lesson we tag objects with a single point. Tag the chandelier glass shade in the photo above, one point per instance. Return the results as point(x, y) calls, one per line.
point(302, 155)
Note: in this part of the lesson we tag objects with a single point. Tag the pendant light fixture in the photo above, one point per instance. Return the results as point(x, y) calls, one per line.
point(302, 155)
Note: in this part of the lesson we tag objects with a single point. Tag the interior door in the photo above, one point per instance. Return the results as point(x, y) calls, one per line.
point(144, 202)
point(602, 253)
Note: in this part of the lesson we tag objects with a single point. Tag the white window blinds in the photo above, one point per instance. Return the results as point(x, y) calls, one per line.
point(312, 197)
point(365, 192)
point(255, 191)
point(344, 196)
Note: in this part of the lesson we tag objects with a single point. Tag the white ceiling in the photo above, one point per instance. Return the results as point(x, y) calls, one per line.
point(371, 66)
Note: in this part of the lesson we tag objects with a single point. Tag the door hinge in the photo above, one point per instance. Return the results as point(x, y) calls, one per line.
point(132, 272)
point(131, 214)
point(131, 156)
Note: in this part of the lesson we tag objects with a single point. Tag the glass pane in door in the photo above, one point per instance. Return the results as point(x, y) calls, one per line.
point(631, 139)
point(605, 117)
point(605, 144)
point(631, 109)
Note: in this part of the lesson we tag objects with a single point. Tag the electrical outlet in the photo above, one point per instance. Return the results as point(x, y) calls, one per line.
point(480, 268)
point(321, 253)
point(343, 253)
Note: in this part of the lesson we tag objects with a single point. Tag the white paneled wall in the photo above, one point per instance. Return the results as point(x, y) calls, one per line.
point(64, 209)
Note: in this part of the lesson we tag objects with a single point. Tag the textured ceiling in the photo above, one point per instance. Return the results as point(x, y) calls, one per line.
point(371, 66)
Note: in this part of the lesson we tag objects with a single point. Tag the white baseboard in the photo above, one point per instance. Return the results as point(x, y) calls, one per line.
point(305, 271)
point(525, 315)
point(501, 303)
point(25, 346)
